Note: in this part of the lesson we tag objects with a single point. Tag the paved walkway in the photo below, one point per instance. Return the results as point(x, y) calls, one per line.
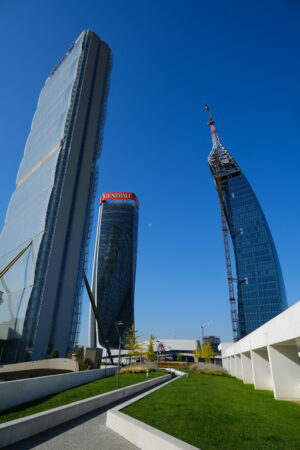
point(87, 432)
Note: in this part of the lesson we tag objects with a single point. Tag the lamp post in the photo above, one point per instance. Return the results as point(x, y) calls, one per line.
point(157, 343)
point(106, 355)
point(119, 323)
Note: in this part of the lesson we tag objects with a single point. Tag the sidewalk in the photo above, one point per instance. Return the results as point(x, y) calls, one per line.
point(88, 432)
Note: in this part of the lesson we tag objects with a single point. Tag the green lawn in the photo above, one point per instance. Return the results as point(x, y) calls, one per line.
point(75, 394)
point(213, 412)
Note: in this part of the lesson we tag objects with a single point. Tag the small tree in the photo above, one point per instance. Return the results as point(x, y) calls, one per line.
point(142, 348)
point(131, 339)
point(197, 353)
point(54, 353)
point(178, 357)
point(79, 352)
point(150, 354)
point(207, 351)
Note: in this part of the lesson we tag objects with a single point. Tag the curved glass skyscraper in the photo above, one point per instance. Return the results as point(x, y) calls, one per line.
point(115, 265)
point(50, 207)
point(260, 285)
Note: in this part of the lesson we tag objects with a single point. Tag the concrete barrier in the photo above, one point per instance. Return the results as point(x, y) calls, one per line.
point(58, 365)
point(140, 434)
point(17, 430)
point(14, 393)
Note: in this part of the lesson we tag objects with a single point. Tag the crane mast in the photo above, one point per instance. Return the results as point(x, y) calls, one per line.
point(224, 220)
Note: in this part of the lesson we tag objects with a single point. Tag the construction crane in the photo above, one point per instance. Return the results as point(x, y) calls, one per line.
point(216, 152)
point(202, 328)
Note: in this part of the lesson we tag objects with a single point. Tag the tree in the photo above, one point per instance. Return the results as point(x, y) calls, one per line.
point(79, 352)
point(197, 353)
point(150, 354)
point(178, 357)
point(131, 339)
point(207, 351)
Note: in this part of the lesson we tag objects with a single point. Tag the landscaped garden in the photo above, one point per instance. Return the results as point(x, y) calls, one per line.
point(220, 412)
point(75, 394)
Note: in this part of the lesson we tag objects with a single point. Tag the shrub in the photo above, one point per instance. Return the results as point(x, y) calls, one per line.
point(174, 364)
point(207, 369)
point(135, 368)
point(211, 372)
point(54, 353)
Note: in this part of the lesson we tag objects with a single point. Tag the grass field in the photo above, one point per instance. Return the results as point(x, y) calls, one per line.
point(75, 394)
point(212, 412)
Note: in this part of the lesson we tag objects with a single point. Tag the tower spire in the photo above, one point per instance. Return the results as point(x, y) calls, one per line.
point(211, 124)
point(218, 159)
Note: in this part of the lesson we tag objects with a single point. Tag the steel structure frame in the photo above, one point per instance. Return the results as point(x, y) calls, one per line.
point(217, 157)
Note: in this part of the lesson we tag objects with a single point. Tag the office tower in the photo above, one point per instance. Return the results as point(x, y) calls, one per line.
point(51, 207)
point(260, 285)
point(114, 265)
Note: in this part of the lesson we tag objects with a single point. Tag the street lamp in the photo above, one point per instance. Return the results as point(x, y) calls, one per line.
point(202, 328)
point(106, 355)
point(119, 323)
point(157, 343)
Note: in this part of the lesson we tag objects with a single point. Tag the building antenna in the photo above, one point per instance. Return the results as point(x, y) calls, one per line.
point(217, 151)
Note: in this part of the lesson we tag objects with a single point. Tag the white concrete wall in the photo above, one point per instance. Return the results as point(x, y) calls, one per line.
point(261, 369)
point(285, 371)
point(269, 357)
point(238, 366)
point(232, 366)
point(13, 393)
point(142, 435)
point(247, 368)
point(50, 364)
point(20, 429)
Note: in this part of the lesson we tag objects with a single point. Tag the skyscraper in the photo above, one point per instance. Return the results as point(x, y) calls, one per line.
point(260, 285)
point(51, 207)
point(115, 265)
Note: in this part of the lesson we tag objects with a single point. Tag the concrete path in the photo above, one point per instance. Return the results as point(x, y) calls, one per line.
point(87, 432)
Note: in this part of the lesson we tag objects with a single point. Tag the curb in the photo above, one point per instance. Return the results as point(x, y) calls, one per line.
point(19, 429)
point(140, 434)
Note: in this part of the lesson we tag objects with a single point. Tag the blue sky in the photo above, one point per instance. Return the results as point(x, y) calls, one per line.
point(168, 58)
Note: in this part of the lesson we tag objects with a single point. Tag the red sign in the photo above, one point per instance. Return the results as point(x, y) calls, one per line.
point(119, 196)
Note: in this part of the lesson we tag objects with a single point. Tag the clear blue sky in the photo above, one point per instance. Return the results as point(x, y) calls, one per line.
point(168, 58)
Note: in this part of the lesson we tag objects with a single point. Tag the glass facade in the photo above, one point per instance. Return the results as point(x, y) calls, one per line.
point(260, 285)
point(50, 207)
point(114, 269)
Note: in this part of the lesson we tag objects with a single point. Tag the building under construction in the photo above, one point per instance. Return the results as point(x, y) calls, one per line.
point(260, 287)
